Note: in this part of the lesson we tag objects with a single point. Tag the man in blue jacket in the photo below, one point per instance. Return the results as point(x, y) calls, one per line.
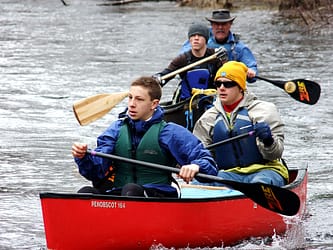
point(221, 35)
point(141, 133)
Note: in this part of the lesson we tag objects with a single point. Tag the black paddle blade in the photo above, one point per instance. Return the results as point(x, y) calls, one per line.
point(276, 199)
point(306, 91)
point(302, 90)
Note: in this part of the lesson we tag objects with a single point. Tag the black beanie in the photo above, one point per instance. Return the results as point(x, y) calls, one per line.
point(199, 29)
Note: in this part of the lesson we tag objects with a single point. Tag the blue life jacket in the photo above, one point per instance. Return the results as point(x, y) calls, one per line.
point(197, 78)
point(241, 153)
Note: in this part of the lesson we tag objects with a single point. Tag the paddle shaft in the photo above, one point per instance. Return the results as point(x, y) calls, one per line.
point(288, 86)
point(237, 137)
point(64, 3)
point(92, 108)
point(173, 73)
point(271, 197)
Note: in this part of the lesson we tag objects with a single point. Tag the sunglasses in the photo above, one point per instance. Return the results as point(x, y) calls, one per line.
point(228, 84)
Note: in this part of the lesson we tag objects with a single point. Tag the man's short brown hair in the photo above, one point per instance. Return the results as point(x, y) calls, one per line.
point(150, 83)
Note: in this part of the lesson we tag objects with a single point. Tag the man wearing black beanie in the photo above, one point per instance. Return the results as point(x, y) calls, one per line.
point(201, 76)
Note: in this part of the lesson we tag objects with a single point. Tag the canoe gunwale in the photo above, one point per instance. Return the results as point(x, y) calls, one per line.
point(145, 199)
point(301, 173)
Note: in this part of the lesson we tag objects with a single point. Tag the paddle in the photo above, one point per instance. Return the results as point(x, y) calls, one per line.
point(94, 107)
point(64, 3)
point(219, 53)
point(234, 138)
point(273, 198)
point(302, 90)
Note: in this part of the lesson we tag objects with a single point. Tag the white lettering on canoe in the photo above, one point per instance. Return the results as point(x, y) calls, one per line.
point(108, 204)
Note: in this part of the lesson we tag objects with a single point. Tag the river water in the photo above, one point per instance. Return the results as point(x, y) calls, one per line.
point(53, 55)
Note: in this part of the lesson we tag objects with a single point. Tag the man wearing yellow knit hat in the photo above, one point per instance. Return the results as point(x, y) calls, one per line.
point(255, 158)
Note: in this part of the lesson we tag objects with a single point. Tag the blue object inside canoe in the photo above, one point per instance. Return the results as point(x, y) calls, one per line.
point(201, 192)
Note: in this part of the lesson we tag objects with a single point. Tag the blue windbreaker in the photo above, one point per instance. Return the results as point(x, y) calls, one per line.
point(181, 143)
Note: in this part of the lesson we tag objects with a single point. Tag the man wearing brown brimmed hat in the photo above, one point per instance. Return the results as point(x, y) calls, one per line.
point(221, 16)
point(221, 22)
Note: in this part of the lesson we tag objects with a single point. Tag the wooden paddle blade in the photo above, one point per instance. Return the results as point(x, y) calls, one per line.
point(94, 107)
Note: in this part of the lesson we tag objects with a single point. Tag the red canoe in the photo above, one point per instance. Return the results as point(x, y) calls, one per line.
point(201, 218)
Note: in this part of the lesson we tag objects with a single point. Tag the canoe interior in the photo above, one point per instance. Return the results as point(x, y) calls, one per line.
point(180, 113)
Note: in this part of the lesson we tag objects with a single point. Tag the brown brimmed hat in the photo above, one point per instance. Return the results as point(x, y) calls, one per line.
point(220, 16)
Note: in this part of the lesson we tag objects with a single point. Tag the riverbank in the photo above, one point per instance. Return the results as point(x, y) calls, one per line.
point(309, 13)
point(230, 4)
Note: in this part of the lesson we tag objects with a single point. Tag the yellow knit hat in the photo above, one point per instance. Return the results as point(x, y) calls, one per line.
point(235, 71)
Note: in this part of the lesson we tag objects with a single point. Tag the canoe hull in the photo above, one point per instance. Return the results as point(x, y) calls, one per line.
point(84, 221)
